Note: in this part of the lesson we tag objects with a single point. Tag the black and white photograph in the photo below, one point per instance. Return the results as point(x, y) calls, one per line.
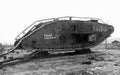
point(59, 37)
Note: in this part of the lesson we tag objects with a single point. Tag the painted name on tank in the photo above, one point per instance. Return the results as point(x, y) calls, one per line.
point(51, 36)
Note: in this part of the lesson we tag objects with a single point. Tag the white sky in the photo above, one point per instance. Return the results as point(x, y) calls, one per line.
point(16, 15)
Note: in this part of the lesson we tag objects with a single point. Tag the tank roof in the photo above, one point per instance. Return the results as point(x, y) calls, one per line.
point(69, 18)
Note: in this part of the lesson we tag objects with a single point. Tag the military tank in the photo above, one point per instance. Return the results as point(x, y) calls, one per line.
point(63, 34)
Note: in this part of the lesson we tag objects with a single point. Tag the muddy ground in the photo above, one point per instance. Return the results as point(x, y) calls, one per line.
point(101, 62)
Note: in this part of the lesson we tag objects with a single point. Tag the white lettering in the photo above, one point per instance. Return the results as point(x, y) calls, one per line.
point(50, 36)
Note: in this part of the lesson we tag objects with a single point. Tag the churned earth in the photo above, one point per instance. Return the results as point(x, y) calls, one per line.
point(101, 62)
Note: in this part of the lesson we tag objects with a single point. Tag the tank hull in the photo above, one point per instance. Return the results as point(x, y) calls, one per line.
point(66, 34)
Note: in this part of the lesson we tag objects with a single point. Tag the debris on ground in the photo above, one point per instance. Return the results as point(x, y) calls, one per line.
point(103, 62)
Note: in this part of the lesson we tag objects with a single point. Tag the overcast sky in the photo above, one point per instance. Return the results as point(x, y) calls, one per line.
point(16, 15)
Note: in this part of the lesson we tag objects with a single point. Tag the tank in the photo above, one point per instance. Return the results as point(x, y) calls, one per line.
point(57, 34)
point(64, 33)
